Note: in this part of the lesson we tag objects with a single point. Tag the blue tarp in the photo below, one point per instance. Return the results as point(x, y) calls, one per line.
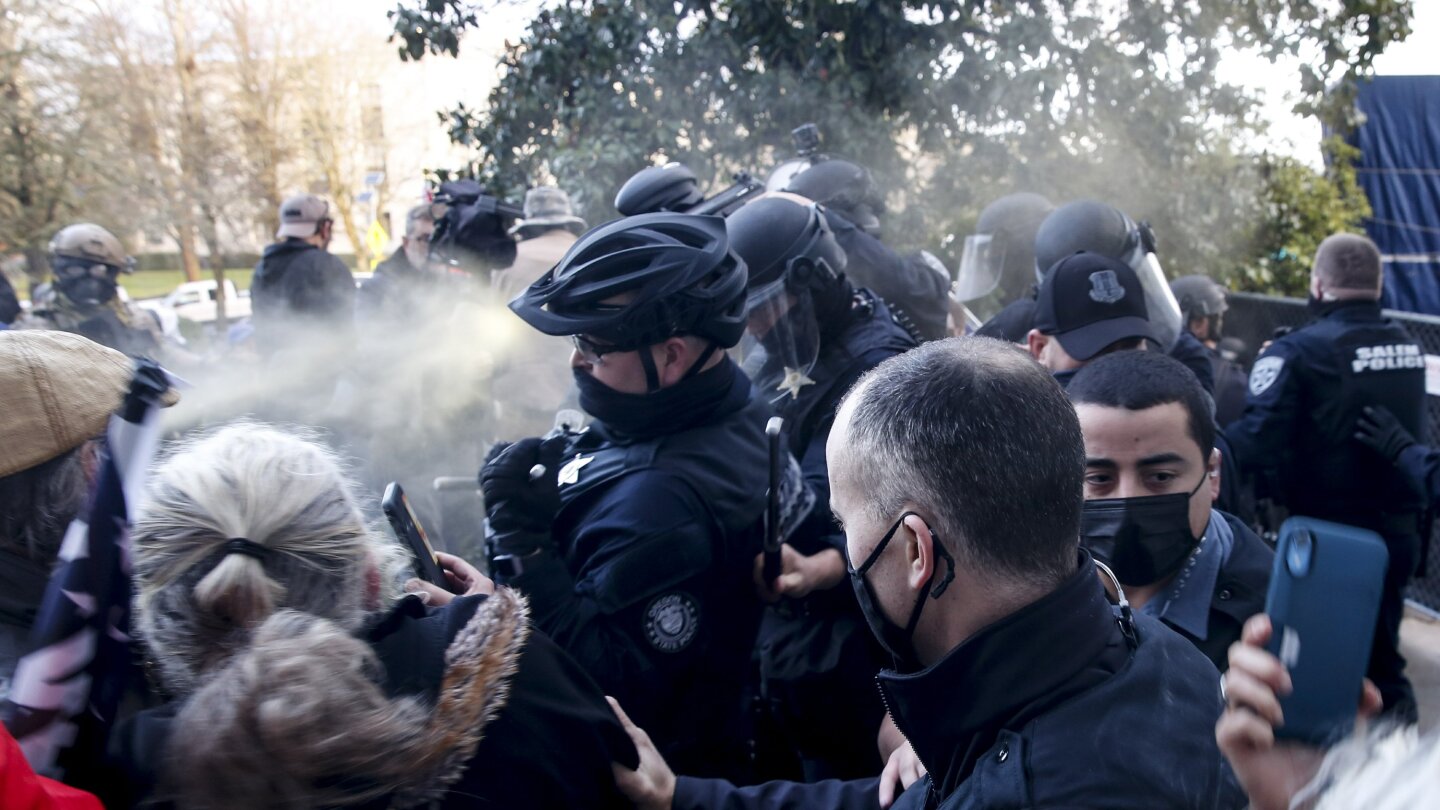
point(1399, 169)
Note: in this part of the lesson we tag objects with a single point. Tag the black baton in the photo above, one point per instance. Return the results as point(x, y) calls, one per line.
point(771, 568)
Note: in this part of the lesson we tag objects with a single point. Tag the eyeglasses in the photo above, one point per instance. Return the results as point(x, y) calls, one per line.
point(594, 353)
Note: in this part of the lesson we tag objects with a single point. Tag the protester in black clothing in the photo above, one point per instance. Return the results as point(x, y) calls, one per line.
point(299, 291)
point(1152, 475)
point(956, 471)
point(1307, 392)
point(260, 603)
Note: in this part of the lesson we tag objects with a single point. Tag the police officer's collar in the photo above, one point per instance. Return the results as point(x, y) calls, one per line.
point(1007, 674)
point(1324, 309)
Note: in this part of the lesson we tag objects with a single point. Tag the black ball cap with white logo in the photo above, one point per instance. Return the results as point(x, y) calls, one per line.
point(1089, 301)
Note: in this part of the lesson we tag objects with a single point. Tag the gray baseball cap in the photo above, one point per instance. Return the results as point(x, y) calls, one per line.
point(301, 215)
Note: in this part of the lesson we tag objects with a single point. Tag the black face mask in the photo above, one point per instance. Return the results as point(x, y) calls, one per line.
point(1143, 540)
point(898, 641)
point(87, 291)
point(668, 410)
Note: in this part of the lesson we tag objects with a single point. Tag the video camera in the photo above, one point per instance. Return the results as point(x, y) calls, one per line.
point(471, 228)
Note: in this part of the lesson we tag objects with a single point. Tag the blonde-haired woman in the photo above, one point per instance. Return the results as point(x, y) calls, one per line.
point(261, 602)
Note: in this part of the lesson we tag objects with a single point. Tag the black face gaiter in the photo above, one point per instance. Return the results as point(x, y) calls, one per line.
point(87, 291)
point(668, 410)
point(1143, 540)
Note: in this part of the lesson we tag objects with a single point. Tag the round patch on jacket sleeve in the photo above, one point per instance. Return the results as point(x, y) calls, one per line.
point(671, 621)
point(1264, 374)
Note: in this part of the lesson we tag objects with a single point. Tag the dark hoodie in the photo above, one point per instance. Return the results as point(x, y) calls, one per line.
point(297, 284)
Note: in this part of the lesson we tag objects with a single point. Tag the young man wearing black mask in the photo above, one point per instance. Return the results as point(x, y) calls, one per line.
point(1152, 474)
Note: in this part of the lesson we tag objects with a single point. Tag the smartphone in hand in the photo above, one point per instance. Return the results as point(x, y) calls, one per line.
point(407, 527)
point(1323, 602)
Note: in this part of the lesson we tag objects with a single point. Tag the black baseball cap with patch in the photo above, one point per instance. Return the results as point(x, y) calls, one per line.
point(1089, 301)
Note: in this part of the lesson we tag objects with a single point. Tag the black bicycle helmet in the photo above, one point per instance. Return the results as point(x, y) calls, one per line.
point(775, 234)
point(678, 271)
point(672, 187)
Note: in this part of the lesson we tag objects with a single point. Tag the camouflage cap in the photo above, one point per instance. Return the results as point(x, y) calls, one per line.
point(59, 390)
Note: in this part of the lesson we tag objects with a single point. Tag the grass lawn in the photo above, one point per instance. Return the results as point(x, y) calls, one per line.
point(156, 283)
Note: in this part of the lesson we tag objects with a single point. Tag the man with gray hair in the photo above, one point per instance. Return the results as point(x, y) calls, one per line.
point(1298, 430)
point(956, 474)
point(402, 278)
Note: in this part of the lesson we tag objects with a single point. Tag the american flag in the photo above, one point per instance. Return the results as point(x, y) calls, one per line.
point(65, 692)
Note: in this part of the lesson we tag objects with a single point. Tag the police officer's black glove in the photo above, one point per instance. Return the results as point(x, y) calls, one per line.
point(1378, 429)
point(520, 486)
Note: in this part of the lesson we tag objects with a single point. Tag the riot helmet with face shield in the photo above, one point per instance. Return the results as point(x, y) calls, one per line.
point(1096, 227)
point(797, 288)
point(997, 261)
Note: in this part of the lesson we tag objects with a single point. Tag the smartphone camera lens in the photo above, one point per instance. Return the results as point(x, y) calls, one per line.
point(1301, 549)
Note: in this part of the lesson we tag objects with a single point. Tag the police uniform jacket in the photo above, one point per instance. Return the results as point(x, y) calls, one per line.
point(1195, 356)
point(651, 588)
point(1306, 392)
point(917, 292)
point(1062, 704)
point(531, 728)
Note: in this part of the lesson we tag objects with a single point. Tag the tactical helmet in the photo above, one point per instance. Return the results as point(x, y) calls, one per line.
point(1096, 227)
point(672, 187)
point(997, 261)
point(845, 187)
point(677, 269)
point(1091, 226)
point(1198, 296)
point(90, 243)
point(774, 234)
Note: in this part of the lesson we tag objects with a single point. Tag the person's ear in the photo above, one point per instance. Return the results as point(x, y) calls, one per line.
point(673, 360)
point(919, 552)
point(1212, 472)
point(1035, 341)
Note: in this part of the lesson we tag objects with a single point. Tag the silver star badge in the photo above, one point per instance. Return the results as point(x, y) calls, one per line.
point(795, 379)
point(570, 473)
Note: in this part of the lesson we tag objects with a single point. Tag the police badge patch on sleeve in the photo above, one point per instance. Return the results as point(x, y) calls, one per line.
point(1266, 370)
point(671, 622)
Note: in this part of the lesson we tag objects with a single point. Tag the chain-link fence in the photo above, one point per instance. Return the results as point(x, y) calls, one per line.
point(1254, 318)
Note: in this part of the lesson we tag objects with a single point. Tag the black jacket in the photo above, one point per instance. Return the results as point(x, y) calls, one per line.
point(1195, 356)
point(911, 287)
point(549, 743)
point(1239, 593)
point(1306, 393)
point(648, 585)
point(299, 285)
point(1061, 704)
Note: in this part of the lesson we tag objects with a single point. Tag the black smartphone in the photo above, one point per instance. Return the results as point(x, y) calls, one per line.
point(1323, 601)
point(408, 528)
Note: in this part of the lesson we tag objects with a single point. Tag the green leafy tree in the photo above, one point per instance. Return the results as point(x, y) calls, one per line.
point(951, 103)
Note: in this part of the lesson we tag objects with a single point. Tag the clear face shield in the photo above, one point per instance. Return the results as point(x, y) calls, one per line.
point(1160, 304)
point(781, 175)
point(782, 341)
point(982, 263)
